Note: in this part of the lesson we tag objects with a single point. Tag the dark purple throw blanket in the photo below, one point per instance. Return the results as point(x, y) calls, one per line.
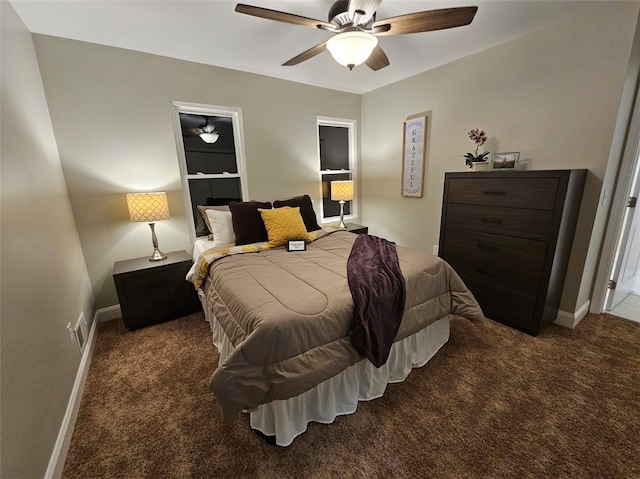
point(378, 291)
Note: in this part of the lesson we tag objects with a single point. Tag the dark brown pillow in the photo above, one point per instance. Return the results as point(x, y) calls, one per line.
point(306, 210)
point(247, 221)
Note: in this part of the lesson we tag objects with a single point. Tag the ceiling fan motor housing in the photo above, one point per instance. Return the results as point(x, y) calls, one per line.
point(339, 14)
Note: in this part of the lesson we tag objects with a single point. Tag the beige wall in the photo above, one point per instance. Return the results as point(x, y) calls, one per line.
point(45, 283)
point(552, 95)
point(112, 119)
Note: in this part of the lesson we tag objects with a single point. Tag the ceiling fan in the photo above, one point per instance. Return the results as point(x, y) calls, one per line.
point(206, 132)
point(354, 23)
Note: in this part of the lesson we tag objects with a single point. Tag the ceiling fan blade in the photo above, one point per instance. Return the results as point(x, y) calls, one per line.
point(360, 11)
point(425, 21)
point(310, 53)
point(378, 59)
point(191, 131)
point(283, 17)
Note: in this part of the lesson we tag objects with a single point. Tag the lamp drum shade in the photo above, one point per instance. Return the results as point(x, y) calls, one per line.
point(148, 207)
point(342, 190)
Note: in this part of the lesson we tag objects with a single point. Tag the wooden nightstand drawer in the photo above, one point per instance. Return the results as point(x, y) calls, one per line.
point(156, 283)
point(153, 292)
point(156, 309)
point(530, 193)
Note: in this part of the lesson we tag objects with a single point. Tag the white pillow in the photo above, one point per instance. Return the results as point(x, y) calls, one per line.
point(221, 227)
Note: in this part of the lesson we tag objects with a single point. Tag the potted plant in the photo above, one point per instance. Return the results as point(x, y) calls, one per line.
point(478, 137)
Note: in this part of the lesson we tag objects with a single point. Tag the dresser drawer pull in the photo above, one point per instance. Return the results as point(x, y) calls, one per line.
point(493, 221)
point(487, 247)
point(484, 271)
point(494, 193)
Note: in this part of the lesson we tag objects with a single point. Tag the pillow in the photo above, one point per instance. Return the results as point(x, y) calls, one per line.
point(221, 226)
point(203, 211)
point(284, 224)
point(200, 225)
point(306, 210)
point(247, 222)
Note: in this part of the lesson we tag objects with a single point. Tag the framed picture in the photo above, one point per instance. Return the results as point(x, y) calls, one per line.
point(505, 161)
point(414, 145)
point(296, 245)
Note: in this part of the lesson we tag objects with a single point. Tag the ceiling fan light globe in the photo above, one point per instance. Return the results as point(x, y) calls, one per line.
point(351, 48)
point(209, 137)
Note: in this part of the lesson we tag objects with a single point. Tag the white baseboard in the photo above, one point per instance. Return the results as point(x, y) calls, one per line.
point(108, 313)
point(571, 320)
point(61, 447)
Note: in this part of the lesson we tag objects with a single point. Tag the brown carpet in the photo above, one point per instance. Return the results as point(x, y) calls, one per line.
point(493, 403)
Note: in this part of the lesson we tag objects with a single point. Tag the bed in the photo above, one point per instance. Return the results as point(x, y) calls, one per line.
point(281, 322)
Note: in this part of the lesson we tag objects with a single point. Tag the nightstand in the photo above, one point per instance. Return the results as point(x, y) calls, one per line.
point(151, 292)
point(357, 229)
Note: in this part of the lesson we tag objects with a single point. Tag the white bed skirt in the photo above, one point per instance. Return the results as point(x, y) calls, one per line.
point(287, 419)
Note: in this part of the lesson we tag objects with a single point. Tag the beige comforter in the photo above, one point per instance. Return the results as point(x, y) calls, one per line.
point(288, 315)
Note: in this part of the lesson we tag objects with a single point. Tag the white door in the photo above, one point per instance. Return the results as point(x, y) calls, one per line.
point(625, 270)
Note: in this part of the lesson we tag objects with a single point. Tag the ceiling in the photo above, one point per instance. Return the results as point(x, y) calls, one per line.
point(211, 32)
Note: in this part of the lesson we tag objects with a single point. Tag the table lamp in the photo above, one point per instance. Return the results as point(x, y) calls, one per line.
point(342, 191)
point(149, 207)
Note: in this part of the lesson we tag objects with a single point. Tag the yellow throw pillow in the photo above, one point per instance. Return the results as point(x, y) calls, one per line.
point(284, 224)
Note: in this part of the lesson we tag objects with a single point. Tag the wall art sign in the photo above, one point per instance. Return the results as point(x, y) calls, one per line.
point(414, 146)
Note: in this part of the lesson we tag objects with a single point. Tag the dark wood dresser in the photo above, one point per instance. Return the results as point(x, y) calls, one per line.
point(154, 291)
point(509, 236)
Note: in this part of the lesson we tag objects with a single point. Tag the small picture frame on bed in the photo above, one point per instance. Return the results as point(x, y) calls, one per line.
point(505, 161)
point(296, 245)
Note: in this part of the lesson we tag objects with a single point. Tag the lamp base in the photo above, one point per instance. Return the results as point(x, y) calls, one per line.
point(157, 255)
point(341, 225)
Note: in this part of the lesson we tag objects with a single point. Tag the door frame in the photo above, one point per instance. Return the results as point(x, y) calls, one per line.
point(622, 191)
point(625, 241)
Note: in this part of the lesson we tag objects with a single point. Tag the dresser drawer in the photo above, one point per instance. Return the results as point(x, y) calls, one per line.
point(529, 193)
point(534, 224)
point(522, 254)
point(508, 275)
point(504, 305)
